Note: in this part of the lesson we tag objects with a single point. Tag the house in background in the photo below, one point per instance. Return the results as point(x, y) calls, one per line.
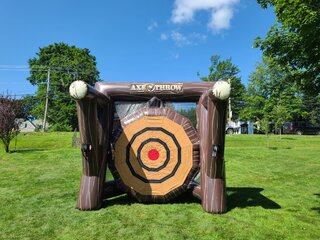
point(239, 127)
point(30, 125)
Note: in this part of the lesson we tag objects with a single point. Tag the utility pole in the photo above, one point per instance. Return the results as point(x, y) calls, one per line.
point(229, 106)
point(230, 112)
point(47, 100)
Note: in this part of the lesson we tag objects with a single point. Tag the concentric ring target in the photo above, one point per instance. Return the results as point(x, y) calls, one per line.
point(150, 140)
point(154, 156)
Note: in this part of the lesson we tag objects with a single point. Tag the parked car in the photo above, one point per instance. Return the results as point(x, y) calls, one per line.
point(300, 127)
point(231, 130)
point(240, 127)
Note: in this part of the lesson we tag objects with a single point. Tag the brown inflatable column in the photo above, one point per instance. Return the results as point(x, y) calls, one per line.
point(92, 179)
point(95, 115)
point(212, 120)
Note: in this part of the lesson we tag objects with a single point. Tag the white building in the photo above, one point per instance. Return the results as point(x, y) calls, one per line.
point(30, 126)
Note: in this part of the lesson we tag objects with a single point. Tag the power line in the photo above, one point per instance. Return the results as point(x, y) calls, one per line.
point(20, 95)
point(43, 68)
point(13, 66)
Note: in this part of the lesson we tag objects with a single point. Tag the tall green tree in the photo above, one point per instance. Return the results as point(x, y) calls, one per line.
point(280, 115)
point(190, 114)
point(63, 64)
point(294, 41)
point(225, 70)
point(29, 104)
point(271, 96)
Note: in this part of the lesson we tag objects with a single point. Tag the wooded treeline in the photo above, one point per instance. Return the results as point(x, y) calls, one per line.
point(284, 86)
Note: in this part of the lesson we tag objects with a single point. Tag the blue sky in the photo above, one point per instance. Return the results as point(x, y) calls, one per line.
point(141, 40)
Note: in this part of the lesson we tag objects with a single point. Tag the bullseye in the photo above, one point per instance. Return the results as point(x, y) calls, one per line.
point(153, 154)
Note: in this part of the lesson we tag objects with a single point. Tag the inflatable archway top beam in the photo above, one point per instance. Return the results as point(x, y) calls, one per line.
point(79, 90)
point(142, 91)
point(95, 107)
point(190, 91)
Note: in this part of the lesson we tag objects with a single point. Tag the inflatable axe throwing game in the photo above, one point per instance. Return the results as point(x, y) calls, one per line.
point(152, 150)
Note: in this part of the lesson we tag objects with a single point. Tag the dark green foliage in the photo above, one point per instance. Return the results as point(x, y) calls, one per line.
point(29, 103)
point(190, 114)
point(270, 96)
point(66, 64)
point(312, 108)
point(280, 114)
point(225, 70)
point(294, 41)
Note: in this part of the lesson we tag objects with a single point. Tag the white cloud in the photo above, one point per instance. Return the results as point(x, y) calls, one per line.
point(199, 37)
point(176, 56)
point(221, 12)
point(164, 37)
point(220, 19)
point(182, 40)
point(152, 26)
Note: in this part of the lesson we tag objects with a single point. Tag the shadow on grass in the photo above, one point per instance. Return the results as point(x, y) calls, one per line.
point(125, 199)
point(276, 148)
point(273, 148)
point(317, 209)
point(288, 138)
point(249, 197)
point(236, 198)
point(185, 198)
point(28, 150)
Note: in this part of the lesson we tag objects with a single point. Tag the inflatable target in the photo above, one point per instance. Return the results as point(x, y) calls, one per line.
point(155, 154)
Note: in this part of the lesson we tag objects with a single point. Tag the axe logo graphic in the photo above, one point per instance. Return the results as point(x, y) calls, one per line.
point(156, 88)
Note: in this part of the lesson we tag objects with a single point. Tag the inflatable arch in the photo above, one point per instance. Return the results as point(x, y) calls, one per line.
point(153, 152)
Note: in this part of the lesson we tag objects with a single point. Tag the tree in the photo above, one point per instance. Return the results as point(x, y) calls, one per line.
point(270, 96)
point(65, 64)
point(294, 41)
point(10, 109)
point(224, 70)
point(279, 115)
point(29, 104)
point(190, 114)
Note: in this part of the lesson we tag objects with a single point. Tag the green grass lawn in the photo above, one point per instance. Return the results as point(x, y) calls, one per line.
point(273, 193)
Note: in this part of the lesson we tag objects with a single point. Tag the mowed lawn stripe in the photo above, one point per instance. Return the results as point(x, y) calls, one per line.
point(272, 183)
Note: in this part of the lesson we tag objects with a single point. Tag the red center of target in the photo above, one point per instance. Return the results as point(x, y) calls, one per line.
point(153, 154)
